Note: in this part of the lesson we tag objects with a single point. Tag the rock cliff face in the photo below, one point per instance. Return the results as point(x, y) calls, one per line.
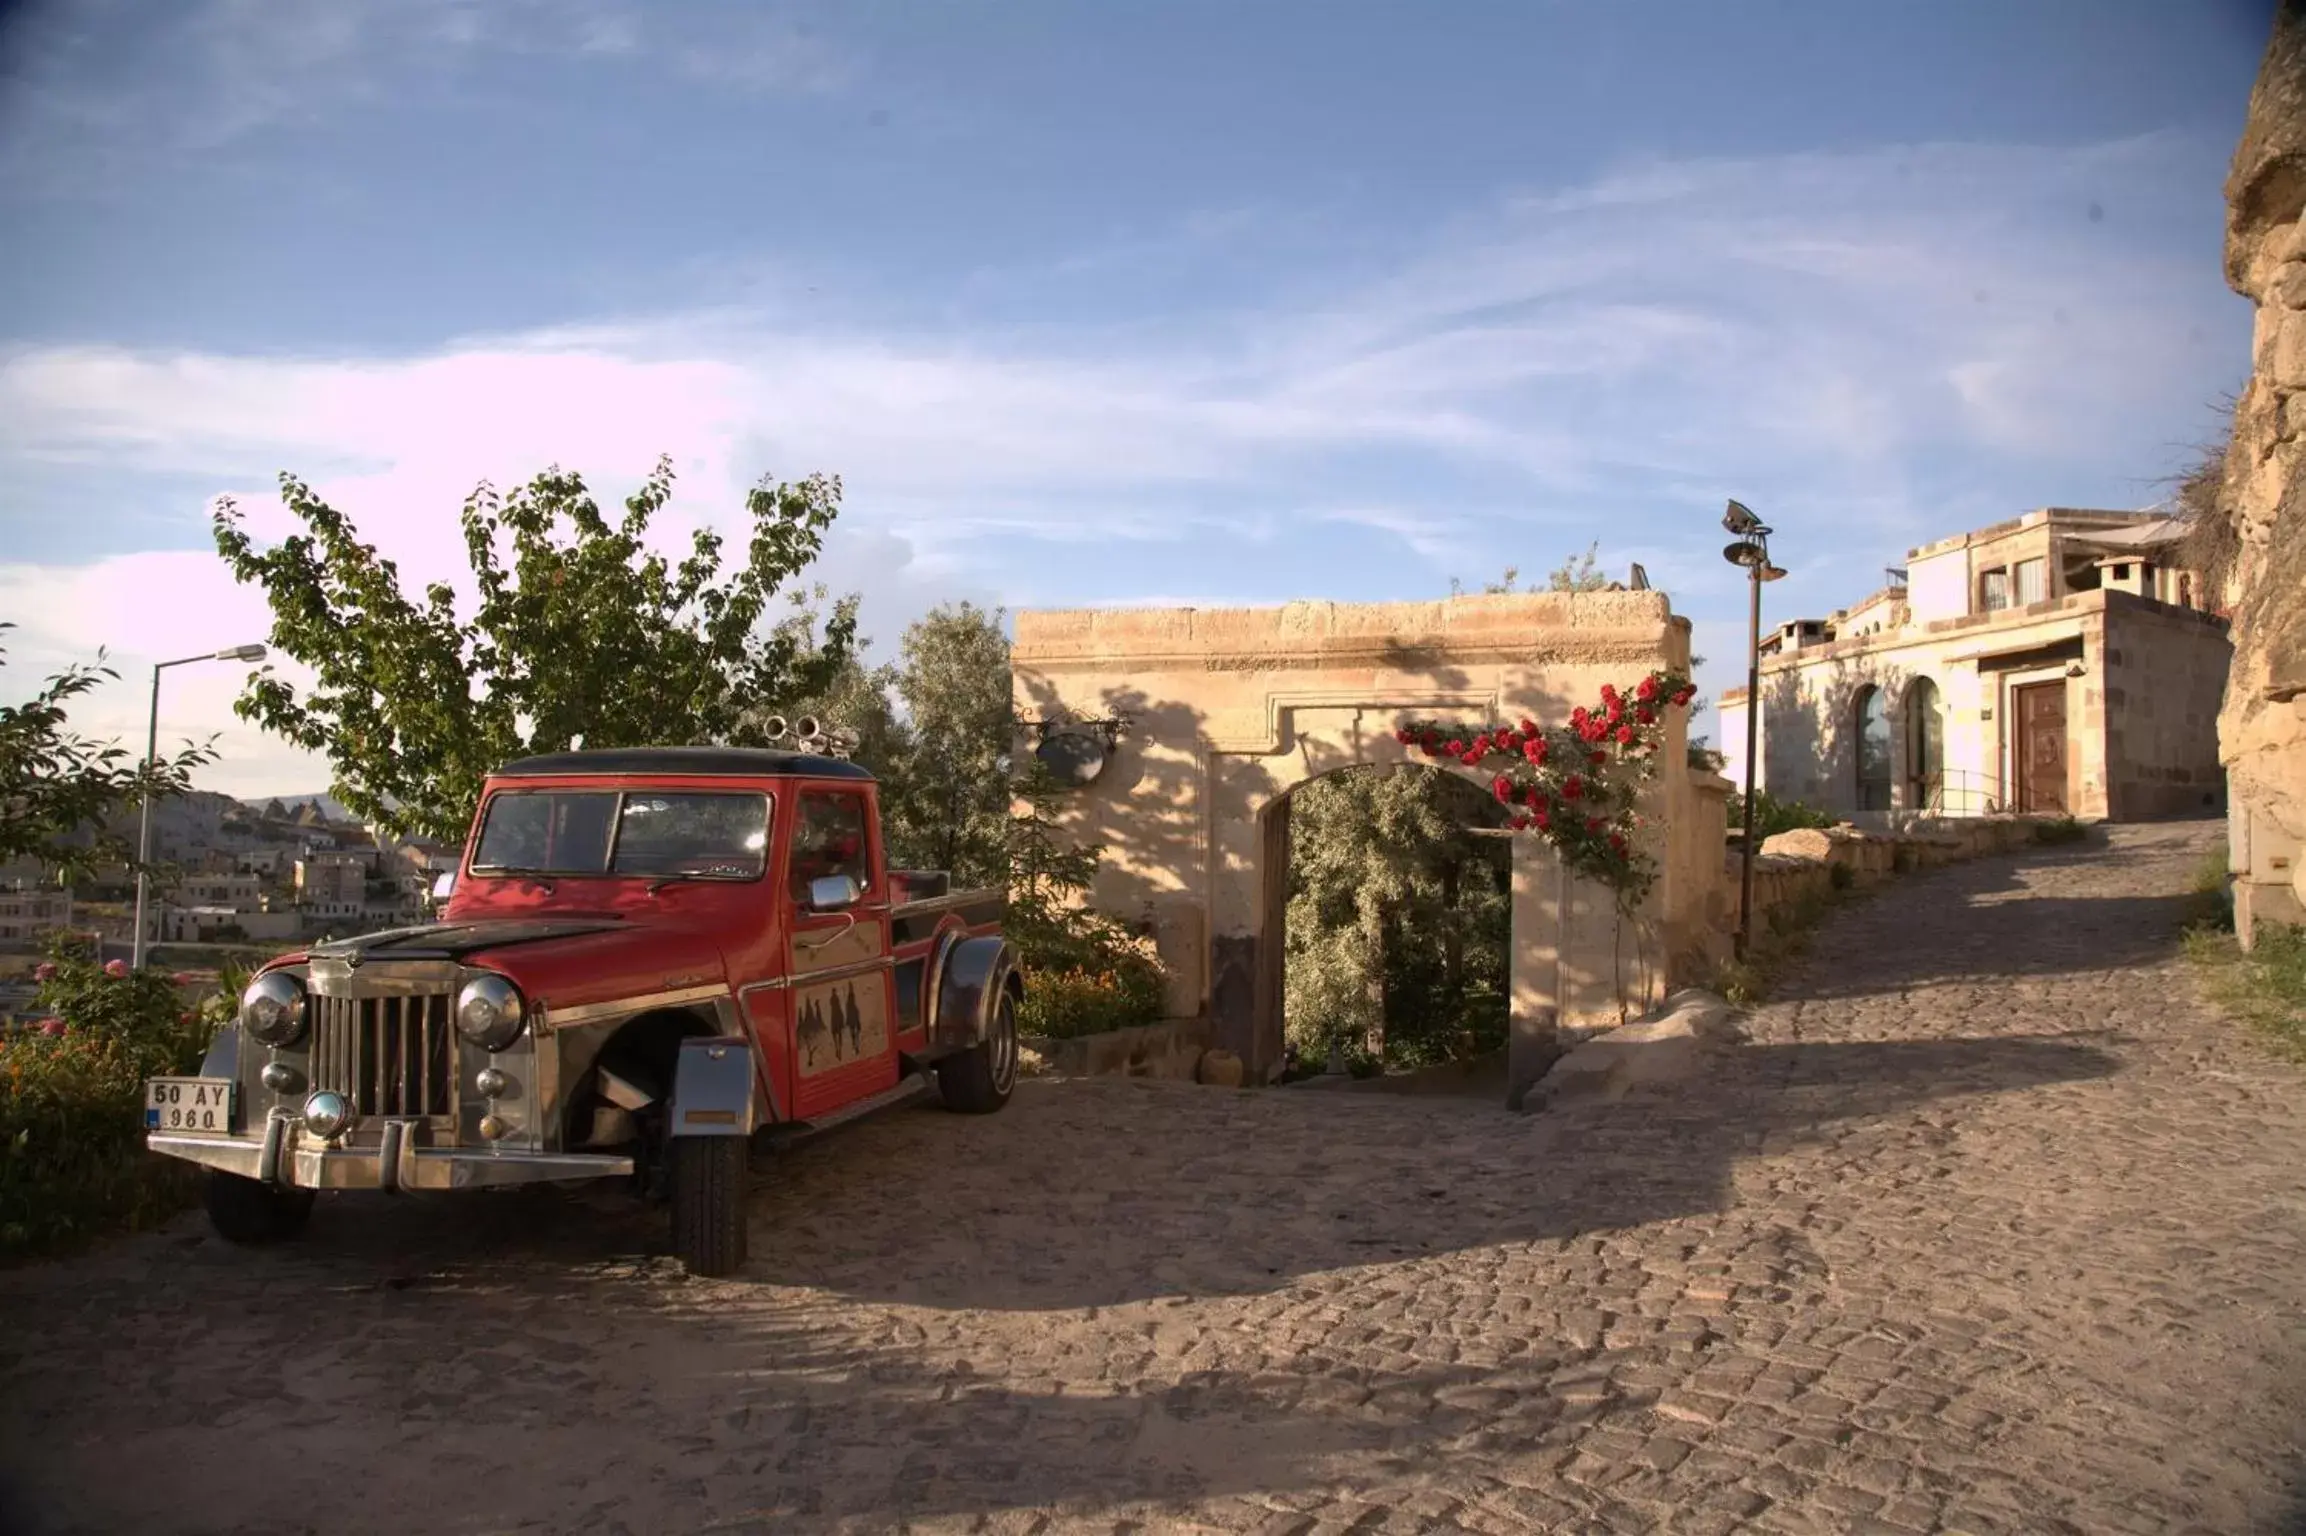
point(2262, 729)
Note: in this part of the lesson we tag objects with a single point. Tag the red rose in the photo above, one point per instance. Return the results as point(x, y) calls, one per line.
point(1480, 744)
point(1519, 823)
point(1540, 820)
point(1648, 688)
point(1608, 693)
point(1616, 842)
point(1533, 797)
point(1688, 692)
point(1507, 742)
point(1402, 737)
point(1528, 727)
point(1580, 715)
point(1456, 748)
point(1593, 824)
point(1502, 787)
point(1625, 735)
point(1535, 750)
point(1646, 715)
point(1572, 787)
point(1598, 759)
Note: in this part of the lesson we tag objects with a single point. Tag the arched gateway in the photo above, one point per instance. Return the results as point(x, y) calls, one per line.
point(1220, 712)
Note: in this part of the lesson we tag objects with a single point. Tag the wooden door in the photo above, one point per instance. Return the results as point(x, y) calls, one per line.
point(2040, 749)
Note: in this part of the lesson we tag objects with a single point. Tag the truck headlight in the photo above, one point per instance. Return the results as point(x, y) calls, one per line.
point(272, 1009)
point(488, 1012)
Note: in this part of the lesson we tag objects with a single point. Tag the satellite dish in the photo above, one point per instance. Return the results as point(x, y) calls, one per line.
point(1072, 757)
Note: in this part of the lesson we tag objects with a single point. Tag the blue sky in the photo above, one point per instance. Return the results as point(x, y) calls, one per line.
point(1099, 303)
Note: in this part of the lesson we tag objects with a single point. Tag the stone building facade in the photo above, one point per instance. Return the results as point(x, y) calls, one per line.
point(1219, 713)
point(2066, 661)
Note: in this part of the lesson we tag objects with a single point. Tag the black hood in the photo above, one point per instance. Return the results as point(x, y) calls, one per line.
point(454, 941)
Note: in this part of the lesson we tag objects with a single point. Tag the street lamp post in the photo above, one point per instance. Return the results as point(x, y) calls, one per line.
point(1751, 549)
point(249, 653)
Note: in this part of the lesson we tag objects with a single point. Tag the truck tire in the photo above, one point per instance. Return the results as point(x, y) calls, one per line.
point(244, 1211)
point(979, 1080)
point(708, 1178)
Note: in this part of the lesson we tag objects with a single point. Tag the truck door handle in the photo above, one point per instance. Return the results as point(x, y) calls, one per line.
point(848, 921)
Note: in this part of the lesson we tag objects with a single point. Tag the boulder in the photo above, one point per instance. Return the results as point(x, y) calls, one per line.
point(1664, 1048)
point(1220, 1069)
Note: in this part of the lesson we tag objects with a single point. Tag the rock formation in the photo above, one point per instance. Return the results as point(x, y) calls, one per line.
point(2262, 729)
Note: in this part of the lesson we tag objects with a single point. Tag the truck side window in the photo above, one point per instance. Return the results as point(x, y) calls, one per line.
point(829, 839)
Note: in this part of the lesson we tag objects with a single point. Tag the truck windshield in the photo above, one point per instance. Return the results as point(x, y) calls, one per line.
point(624, 832)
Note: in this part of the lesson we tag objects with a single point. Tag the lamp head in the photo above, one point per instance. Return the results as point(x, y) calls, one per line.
point(1744, 552)
point(1740, 520)
point(1772, 573)
point(242, 653)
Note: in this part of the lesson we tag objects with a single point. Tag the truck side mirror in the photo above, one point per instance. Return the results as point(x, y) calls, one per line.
point(833, 893)
point(444, 887)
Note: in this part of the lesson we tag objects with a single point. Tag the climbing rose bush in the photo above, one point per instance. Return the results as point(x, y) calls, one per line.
point(1576, 784)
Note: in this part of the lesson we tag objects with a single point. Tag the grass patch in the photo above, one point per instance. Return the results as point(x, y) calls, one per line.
point(2265, 989)
point(2064, 829)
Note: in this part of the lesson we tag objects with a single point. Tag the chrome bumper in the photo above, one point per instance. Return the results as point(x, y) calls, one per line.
point(277, 1158)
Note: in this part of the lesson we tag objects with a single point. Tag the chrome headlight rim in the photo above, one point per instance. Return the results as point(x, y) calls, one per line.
point(490, 1012)
point(274, 1009)
point(327, 1113)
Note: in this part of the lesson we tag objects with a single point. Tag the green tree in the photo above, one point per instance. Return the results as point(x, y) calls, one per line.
point(59, 791)
point(852, 695)
point(586, 634)
point(1398, 918)
point(954, 680)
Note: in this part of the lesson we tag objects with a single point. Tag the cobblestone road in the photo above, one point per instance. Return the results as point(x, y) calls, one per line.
point(1991, 1228)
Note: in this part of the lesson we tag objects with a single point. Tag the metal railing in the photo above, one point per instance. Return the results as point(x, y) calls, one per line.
point(1959, 792)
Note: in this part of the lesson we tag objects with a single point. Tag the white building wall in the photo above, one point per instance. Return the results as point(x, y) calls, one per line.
point(1938, 586)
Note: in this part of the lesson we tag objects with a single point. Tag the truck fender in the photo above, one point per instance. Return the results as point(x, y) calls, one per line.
point(713, 1087)
point(970, 981)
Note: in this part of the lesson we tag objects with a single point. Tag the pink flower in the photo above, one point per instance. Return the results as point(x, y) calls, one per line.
point(50, 1026)
point(44, 971)
point(116, 968)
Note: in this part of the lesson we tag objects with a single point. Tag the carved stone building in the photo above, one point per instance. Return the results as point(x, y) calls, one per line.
point(1220, 713)
point(2062, 662)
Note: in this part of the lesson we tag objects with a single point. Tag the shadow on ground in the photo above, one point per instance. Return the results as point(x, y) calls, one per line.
point(1084, 1194)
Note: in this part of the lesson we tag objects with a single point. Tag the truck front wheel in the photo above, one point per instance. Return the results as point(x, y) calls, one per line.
point(979, 1080)
point(708, 1178)
point(244, 1211)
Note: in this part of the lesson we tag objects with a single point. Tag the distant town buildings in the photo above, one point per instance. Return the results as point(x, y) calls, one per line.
point(239, 873)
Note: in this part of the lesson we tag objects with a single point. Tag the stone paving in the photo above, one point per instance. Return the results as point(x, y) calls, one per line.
point(1990, 1228)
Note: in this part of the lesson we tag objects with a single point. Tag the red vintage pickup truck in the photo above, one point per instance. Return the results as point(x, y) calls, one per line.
point(648, 957)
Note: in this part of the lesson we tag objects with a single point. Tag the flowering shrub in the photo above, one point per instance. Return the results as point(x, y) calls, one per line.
point(1575, 784)
point(72, 1157)
point(1060, 1004)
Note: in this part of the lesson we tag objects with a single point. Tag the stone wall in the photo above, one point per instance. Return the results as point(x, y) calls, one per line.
point(2262, 729)
point(2165, 673)
point(1170, 1049)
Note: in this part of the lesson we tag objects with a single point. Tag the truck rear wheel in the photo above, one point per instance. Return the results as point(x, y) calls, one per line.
point(979, 1080)
point(708, 1178)
point(244, 1211)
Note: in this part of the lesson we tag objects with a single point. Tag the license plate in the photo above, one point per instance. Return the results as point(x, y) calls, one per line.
point(188, 1106)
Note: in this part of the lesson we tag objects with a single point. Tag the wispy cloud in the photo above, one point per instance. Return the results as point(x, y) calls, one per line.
point(1873, 346)
point(99, 82)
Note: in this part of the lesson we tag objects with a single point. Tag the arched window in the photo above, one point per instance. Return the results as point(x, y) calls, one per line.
point(1925, 745)
point(1876, 759)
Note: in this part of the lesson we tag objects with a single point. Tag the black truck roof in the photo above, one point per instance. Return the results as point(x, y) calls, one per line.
point(717, 762)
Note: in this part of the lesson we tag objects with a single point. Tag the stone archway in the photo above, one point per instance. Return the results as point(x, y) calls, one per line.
point(1227, 709)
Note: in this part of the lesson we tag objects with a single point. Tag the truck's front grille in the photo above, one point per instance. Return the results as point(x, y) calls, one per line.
point(387, 1055)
